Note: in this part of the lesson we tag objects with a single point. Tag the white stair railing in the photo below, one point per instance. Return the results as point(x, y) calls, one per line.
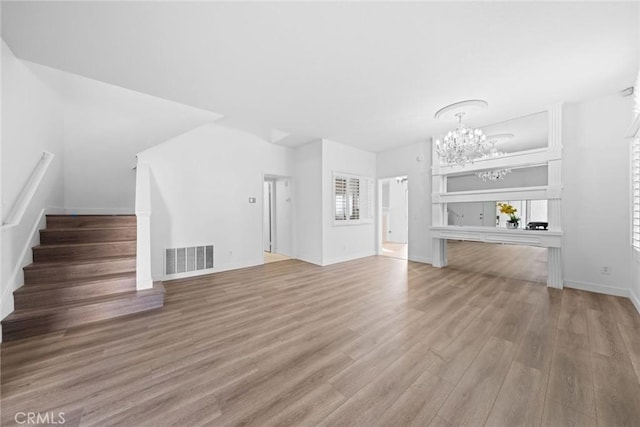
point(28, 191)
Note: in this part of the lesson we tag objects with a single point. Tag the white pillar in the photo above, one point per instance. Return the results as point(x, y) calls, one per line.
point(554, 203)
point(143, 219)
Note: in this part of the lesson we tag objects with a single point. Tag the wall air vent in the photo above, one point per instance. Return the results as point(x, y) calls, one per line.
point(185, 260)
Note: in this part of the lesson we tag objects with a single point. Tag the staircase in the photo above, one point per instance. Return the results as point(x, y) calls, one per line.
point(84, 270)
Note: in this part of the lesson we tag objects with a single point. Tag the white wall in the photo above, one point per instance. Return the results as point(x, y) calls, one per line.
point(31, 123)
point(105, 126)
point(596, 202)
point(308, 185)
point(201, 185)
point(345, 242)
point(415, 162)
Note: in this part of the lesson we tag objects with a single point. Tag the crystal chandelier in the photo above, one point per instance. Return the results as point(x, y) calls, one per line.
point(493, 175)
point(462, 145)
point(496, 174)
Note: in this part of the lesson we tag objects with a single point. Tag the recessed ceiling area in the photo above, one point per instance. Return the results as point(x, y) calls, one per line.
point(370, 75)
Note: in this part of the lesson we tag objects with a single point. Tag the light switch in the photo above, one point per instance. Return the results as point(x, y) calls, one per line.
point(252, 199)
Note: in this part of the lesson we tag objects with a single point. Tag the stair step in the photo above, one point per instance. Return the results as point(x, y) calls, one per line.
point(76, 251)
point(52, 236)
point(90, 221)
point(60, 271)
point(60, 293)
point(23, 323)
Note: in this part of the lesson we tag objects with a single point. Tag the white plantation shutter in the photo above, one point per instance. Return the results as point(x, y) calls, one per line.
point(340, 191)
point(353, 199)
point(635, 199)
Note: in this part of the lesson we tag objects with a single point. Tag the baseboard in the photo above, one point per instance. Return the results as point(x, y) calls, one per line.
point(310, 260)
point(219, 269)
point(635, 300)
point(16, 279)
point(423, 260)
point(98, 211)
point(346, 258)
point(593, 287)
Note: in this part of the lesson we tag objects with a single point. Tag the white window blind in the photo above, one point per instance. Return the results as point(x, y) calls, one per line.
point(635, 199)
point(353, 199)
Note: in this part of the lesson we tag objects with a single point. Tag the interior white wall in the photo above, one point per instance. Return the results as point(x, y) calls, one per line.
point(31, 124)
point(201, 185)
point(413, 161)
point(397, 213)
point(308, 186)
point(345, 242)
point(105, 126)
point(596, 195)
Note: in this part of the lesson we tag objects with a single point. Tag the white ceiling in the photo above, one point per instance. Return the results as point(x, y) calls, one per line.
point(366, 74)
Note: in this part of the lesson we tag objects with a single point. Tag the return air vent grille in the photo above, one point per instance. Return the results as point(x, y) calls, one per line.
point(184, 260)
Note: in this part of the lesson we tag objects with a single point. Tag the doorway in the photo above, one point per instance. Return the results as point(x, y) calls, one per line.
point(276, 218)
point(394, 214)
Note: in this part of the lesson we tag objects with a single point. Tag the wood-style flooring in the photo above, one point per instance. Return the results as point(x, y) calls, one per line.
point(373, 342)
point(274, 257)
point(513, 261)
point(395, 250)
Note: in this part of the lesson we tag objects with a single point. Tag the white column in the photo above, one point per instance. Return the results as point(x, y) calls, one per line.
point(554, 273)
point(438, 209)
point(143, 219)
point(554, 203)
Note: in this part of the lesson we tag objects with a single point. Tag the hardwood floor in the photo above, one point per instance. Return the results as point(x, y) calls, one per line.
point(376, 341)
point(395, 250)
point(514, 261)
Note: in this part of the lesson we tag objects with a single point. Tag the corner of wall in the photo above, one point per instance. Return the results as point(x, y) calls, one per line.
point(635, 299)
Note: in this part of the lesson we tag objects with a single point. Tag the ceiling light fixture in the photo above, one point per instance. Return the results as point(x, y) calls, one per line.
point(462, 145)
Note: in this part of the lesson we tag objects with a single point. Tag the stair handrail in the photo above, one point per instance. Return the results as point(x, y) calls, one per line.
point(28, 191)
point(144, 279)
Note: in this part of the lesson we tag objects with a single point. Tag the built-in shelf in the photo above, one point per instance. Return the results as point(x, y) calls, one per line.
point(541, 238)
point(542, 192)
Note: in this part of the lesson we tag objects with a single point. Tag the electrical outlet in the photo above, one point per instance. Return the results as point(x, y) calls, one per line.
point(605, 269)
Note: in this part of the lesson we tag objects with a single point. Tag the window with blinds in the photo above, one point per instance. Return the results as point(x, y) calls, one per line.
point(353, 199)
point(635, 198)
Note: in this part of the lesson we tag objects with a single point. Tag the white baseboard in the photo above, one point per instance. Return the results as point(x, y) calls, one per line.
point(423, 260)
point(98, 211)
point(219, 269)
point(346, 258)
point(594, 287)
point(310, 260)
point(635, 300)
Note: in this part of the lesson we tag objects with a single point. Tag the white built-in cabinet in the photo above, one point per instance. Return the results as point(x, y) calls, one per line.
point(551, 156)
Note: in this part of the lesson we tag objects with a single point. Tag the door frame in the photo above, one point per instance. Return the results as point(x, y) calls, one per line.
point(379, 238)
point(274, 247)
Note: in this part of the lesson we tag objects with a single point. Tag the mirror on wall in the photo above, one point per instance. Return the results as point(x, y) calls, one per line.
point(519, 177)
point(487, 214)
point(519, 134)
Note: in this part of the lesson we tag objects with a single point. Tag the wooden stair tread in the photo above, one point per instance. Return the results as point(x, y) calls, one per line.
point(77, 229)
point(65, 262)
point(36, 287)
point(78, 245)
point(29, 313)
point(83, 271)
point(91, 215)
